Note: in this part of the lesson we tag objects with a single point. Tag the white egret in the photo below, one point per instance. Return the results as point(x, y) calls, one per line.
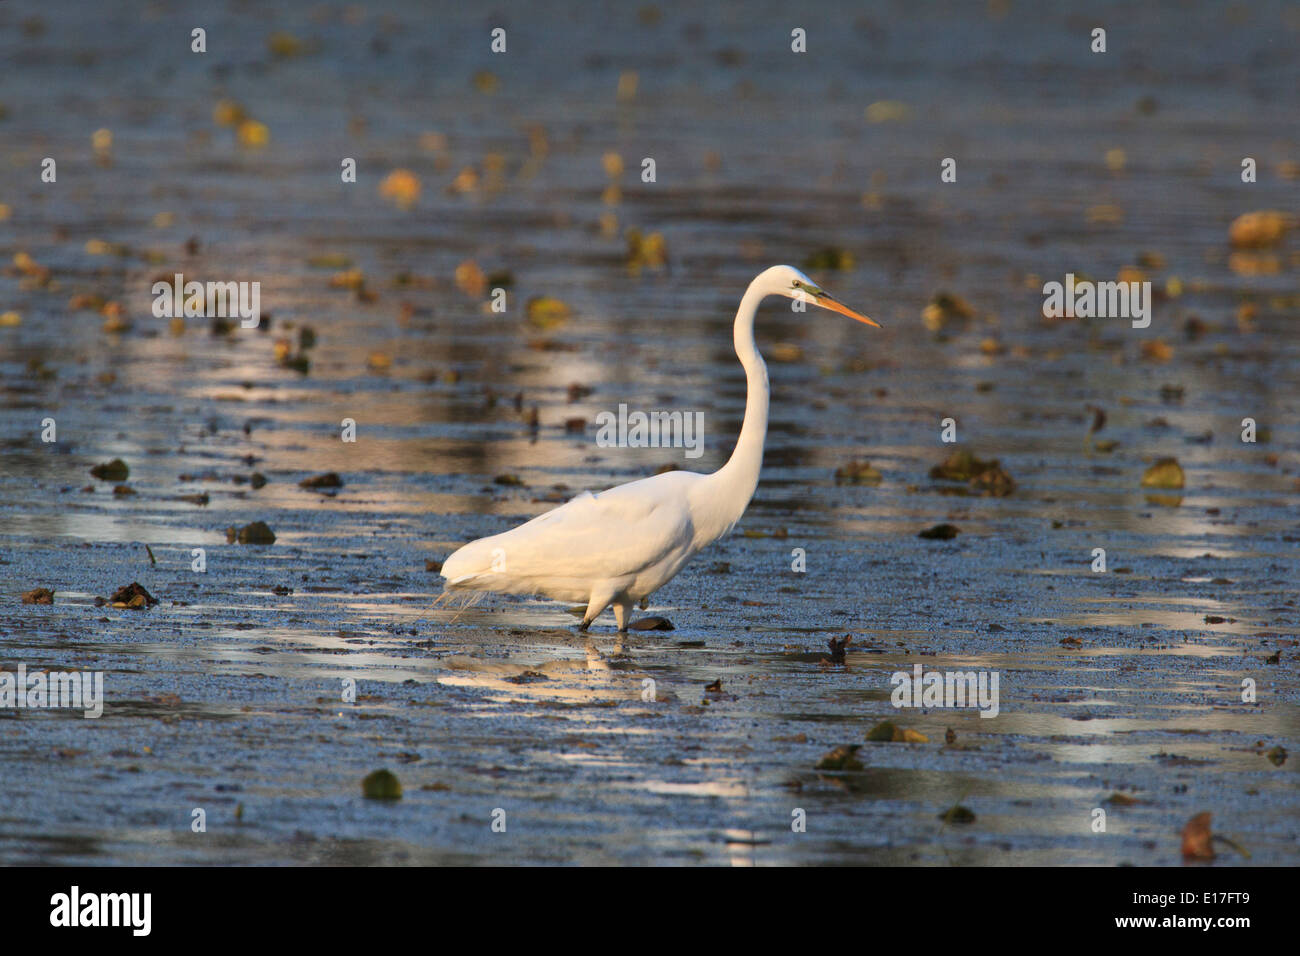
point(621, 545)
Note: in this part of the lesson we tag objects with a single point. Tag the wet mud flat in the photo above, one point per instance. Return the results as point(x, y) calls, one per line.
point(1119, 690)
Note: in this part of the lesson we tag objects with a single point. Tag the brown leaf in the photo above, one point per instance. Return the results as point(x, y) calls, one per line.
point(1196, 838)
point(38, 596)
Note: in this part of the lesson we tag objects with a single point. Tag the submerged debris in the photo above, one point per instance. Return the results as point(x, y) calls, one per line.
point(330, 479)
point(838, 648)
point(958, 814)
point(645, 252)
point(945, 308)
point(115, 470)
point(133, 596)
point(986, 478)
point(381, 785)
point(940, 532)
point(842, 757)
point(256, 533)
point(828, 258)
point(858, 473)
point(652, 624)
point(889, 732)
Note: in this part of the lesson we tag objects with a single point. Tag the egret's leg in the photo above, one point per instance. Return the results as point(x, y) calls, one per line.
point(622, 612)
point(597, 604)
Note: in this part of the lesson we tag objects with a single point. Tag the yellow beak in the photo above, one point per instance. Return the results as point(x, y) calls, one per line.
point(835, 305)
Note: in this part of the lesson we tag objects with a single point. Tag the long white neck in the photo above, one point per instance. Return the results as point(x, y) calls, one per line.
point(732, 485)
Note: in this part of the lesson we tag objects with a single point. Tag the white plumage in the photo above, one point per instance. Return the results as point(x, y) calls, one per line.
point(621, 545)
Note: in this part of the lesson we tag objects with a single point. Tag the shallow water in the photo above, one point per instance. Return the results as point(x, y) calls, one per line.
point(226, 696)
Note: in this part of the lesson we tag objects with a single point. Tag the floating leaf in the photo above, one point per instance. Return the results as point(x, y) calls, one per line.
point(258, 532)
point(330, 260)
point(381, 785)
point(889, 732)
point(470, 279)
point(886, 111)
point(858, 473)
point(329, 479)
point(1165, 473)
point(546, 313)
point(283, 45)
point(984, 477)
point(1196, 838)
point(1157, 350)
point(940, 532)
point(650, 252)
point(402, 187)
point(828, 258)
point(842, 757)
point(228, 113)
point(350, 279)
point(1257, 229)
point(958, 814)
point(785, 352)
point(115, 470)
point(944, 308)
point(252, 134)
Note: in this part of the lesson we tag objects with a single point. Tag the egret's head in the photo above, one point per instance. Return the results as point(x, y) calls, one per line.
point(793, 284)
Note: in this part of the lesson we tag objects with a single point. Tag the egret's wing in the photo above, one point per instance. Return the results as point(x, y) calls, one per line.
point(620, 531)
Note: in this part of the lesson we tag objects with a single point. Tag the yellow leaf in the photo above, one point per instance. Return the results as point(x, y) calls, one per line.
point(1165, 473)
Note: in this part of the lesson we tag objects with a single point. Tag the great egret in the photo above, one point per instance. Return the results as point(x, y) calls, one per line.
point(620, 546)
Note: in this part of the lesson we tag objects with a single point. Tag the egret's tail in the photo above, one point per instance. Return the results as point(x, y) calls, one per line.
point(461, 600)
